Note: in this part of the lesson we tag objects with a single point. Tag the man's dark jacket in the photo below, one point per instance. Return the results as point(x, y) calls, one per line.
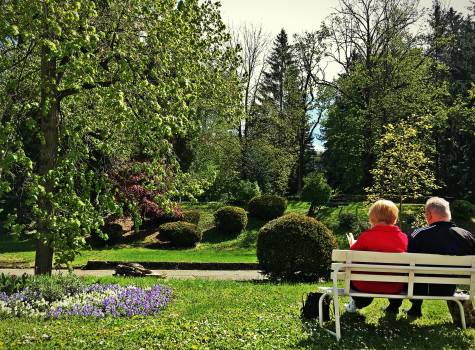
point(443, 238)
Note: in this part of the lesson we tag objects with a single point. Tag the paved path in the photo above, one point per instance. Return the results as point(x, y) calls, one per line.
point(240, 275)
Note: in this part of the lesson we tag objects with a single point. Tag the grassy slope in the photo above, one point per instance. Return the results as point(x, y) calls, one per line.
point(215, 247)
point(233, 315)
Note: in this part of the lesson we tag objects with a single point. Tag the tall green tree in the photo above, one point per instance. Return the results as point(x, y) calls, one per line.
point(279, 62)
point(271, 128)
point(404, 167)
point(309, 51)
point(452, 44)
point(86, 82)
point(386, 78)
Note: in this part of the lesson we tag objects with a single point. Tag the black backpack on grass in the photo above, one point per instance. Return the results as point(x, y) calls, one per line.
point(309, 309)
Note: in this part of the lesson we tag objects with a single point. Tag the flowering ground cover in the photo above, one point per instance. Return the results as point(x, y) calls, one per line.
point(96, 300)
point(234, 315)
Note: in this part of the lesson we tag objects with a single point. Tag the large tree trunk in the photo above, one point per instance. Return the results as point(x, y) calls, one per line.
point(49, 124)
point(43, 259)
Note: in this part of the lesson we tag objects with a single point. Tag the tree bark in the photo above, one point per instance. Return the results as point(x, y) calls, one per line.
point(311, 210)
point(43, 259)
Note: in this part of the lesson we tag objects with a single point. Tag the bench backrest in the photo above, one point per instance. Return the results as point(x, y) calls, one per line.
point(410, 268)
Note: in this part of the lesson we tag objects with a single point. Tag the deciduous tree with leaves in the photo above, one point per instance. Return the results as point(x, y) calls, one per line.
point(85, 82)
point(404, 166)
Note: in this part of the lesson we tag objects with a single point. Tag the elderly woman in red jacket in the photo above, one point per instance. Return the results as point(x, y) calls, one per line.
point(383, 236)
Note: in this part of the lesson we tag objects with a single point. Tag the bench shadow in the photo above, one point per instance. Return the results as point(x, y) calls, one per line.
point(389, 333)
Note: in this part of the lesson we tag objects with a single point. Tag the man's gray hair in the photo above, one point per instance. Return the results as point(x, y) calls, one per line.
point(439, 207)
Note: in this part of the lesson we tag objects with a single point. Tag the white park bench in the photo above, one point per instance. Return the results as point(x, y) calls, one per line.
point(410, 268)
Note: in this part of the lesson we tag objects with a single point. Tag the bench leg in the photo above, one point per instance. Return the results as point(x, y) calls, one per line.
point(462, 314)
point(320, 309)
point(336, 305)
point(337, 332)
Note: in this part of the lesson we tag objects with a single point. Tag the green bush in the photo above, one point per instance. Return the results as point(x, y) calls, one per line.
point(230, 220)
point(180, 233)
point(349, 222)
point(269, 165)
point(192, 216)
point(295, 247)
point(411, 219)
point(53, 288)
point(267, 207)
point(462, 209)
point(316, 191)
point(244, 191)
point(114, 234)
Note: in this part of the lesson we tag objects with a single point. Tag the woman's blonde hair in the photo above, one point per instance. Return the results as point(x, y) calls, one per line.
point(383, 211)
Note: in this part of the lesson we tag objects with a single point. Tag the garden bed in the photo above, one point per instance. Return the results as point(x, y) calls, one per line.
point(65, 296)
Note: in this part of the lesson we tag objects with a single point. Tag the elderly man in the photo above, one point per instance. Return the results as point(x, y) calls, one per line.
point(441, 236)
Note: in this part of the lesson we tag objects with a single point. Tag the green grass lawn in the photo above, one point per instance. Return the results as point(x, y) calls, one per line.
point(215, 247)
point(204, 253)
point(237, 315)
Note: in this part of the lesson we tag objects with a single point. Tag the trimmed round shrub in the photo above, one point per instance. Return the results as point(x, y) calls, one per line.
point(295, 247)
point(267, 207)
point(192, 216)
point(462, 209)
point(181, 234)
point(348, 221)
point(230, 220)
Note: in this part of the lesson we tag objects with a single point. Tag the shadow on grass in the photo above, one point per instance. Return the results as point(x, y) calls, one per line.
point(212, 235)
point(255, 223)
point(10, 244)
point(245, 239)
point(388, 333)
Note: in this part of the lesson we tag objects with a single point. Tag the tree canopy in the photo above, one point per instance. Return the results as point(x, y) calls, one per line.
point(86, 85)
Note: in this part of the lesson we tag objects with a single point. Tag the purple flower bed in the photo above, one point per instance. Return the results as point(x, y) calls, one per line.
point(96, 300)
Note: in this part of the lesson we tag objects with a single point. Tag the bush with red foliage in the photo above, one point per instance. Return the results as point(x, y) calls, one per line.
point(138, 189)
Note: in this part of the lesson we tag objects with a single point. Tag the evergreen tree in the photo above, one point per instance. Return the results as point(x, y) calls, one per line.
point(452, 44)
point(451, 35)
point(271, 130)
point(279, 62)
